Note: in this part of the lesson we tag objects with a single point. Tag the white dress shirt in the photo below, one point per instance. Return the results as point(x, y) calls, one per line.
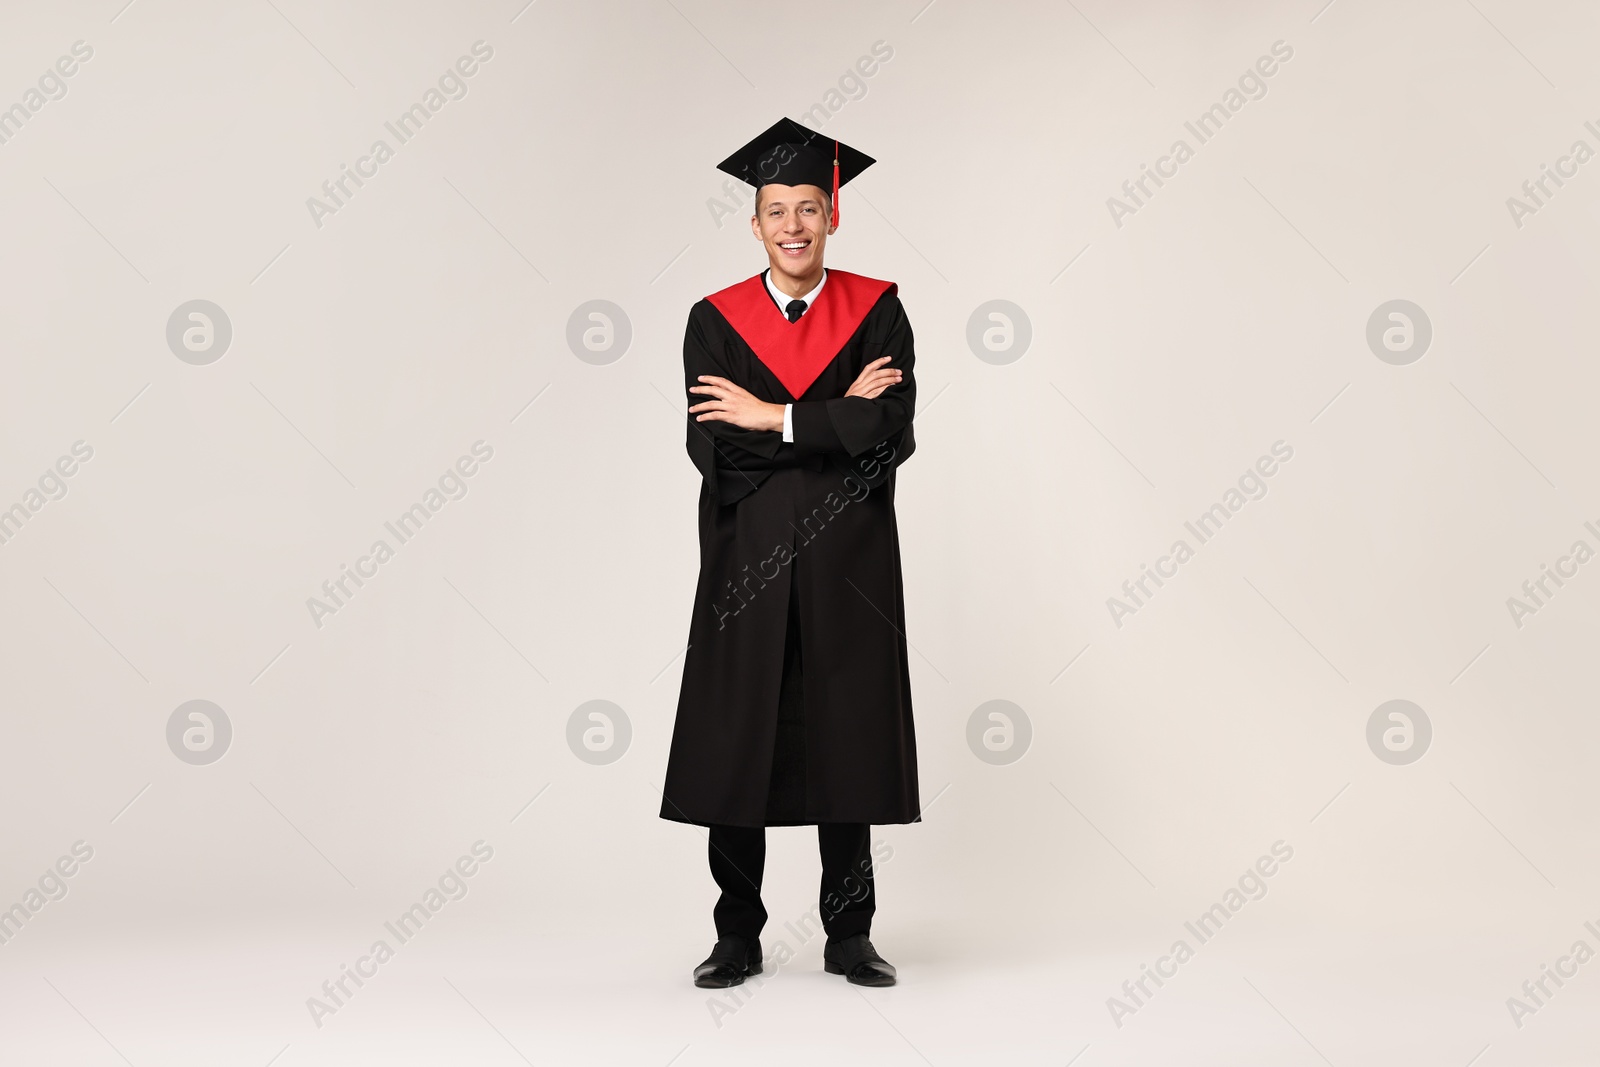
point(783, 299)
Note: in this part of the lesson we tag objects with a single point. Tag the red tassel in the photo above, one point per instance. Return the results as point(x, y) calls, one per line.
point(836, 183)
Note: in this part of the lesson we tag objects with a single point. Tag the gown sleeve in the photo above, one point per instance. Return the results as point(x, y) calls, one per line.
point(732, 460)
point(853, 424)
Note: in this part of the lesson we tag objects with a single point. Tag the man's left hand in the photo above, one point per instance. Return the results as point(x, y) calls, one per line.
point(732, 404)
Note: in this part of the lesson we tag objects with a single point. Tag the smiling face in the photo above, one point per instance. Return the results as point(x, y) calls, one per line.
point(792, 222)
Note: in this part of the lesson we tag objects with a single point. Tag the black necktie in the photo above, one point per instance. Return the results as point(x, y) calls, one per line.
point(795, 309)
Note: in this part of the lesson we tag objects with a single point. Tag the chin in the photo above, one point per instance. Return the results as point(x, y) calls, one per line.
point(793, 267)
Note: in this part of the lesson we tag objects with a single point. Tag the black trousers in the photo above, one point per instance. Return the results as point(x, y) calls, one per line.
point(845, 901)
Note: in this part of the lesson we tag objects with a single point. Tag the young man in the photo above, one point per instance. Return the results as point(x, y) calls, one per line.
point(796, 701)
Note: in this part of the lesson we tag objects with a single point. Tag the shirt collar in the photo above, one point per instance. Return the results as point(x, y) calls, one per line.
point(782, 299)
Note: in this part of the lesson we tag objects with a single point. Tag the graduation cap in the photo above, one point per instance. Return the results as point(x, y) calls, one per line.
point(787, 153)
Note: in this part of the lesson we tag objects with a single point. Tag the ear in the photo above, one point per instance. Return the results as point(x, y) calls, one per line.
point(755, 226)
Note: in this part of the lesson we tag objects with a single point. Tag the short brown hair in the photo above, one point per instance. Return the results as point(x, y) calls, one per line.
point(827, 200)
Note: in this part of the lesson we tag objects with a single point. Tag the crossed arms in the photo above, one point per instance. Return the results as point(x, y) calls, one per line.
point(735, 438)
point(731, 403)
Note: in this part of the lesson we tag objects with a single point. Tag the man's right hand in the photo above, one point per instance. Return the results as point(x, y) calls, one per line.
point(874, 379)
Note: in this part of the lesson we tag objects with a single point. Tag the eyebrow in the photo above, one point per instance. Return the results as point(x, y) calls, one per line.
point(798, 203)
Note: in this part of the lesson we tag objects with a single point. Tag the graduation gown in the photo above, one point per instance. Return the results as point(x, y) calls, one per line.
point(795, 706)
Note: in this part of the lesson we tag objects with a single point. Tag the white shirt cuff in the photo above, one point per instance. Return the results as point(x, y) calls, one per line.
point(788, 423)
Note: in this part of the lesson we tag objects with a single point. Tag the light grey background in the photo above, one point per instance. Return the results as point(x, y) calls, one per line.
point(1167, 354)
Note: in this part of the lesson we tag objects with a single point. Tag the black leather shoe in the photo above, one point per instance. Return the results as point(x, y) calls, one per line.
point(856, 959)
point(731, 961)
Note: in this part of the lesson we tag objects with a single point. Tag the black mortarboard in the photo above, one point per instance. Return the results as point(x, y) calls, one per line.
point(787, 153)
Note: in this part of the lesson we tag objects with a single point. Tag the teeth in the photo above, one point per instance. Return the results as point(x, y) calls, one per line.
point(794, 244)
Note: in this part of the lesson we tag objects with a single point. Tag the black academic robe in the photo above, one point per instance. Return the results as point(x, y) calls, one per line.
point(799, 564)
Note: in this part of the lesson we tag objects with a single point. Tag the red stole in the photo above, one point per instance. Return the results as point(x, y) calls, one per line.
point(797, 352)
